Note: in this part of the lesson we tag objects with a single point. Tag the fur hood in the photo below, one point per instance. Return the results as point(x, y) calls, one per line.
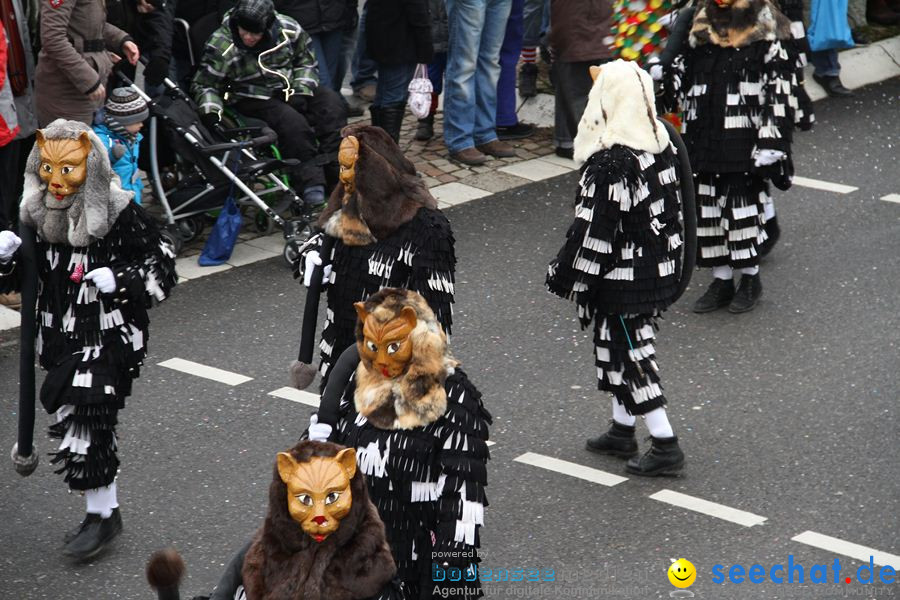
point(97, 203)
point(418, 397)
point(738, 25)
point(388, 192)
point(284, 563)
point(621, 109)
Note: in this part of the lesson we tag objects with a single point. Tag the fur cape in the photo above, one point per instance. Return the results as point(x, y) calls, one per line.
point(97, 204)
point(418, 397)
point(738, 25)
point(388, 192)
point(284, 563)
point(621, 110)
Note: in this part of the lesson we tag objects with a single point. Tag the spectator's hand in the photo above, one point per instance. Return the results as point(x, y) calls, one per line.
point(156, 70)
point(131, 52)
point(210, 120)
point(299, 102)
point(98, 95)
point(767, 157)
point(103, 279)
point(312, 260)
point(318, 432)
point(145, 7)
point(9, 243)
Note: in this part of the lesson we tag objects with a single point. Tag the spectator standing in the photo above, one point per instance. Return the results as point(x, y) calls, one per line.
point(152, 24)
point(508, 125)
point(577, 31)
point(826, 66)
point(364, 70)
point(74, 62)
point(536, 20)
point(437, 66)
point(477, 28)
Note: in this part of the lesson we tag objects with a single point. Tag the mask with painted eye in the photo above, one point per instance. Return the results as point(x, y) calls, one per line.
point(63, 167)
point(723, 3)
point(386, 346)
point(318, 490)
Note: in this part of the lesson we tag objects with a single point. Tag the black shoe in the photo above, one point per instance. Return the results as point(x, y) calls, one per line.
point(773, 231)
point(93, 535)
point(425, 129)
point(663, 458)
point(833, 86)
point(564, 152)
point(618, 441)
point(519, 131)
point(528, 80)
point(719, 295)
point(392, 119)
point(747, 294)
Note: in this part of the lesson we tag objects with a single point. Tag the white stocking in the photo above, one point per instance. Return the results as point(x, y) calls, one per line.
point(750, 270)
point(769, 208)
point(658, 424)
point(723, 272)
point(620, 415)
point(101, 501)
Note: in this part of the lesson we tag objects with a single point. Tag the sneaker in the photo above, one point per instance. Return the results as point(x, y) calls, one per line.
point(73, 533)
point(93, 536)
point(497, 149)
point(747, 294)
point(833, 86)
point(518, 131)
point(314, 195)
point(469, 156)
point(425, 129)
point(618, 441)
point(663, 458)
point(719, 295)
point(528, 80)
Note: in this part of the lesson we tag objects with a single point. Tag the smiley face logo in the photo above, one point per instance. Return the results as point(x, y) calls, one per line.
point(682, 573)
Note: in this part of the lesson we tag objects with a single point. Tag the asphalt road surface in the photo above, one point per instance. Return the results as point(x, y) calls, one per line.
point(787, 415)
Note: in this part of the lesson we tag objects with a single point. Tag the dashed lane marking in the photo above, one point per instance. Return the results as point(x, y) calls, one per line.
point(892, 198)
point(818, 184)
point(193, 368)
point(713, 509)
point(569, 468)
point(295, 395)
point(860, 553)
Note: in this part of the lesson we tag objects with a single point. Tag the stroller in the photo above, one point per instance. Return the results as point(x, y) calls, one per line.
point(212, 163)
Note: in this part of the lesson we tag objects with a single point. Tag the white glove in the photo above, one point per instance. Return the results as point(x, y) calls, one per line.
point(103, 279)
point(656, 72)
point(9, 243)
point(767, 157)
point(318, 432)
point(313, 260)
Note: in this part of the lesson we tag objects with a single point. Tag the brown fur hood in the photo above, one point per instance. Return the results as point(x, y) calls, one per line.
point(738, 25)
point(283, 563)
point(388, 192)
point(418, 397)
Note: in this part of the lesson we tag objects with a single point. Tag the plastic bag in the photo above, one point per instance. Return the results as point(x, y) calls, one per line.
point(224, 234)
point(828, 26)
point(420, 90)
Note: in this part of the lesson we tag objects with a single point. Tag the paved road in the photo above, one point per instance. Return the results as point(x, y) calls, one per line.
point(788, 413)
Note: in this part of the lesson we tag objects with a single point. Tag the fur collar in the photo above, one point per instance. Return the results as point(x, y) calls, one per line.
point(418, 398)
point(283, 563)
point(388, 192)
point(739, 25)
point(97, 204)
point(621, 110)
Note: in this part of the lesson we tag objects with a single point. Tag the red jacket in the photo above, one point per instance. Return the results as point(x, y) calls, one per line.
point(9, 122)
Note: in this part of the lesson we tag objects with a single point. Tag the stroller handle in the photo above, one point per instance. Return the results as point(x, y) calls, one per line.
point(268, 137)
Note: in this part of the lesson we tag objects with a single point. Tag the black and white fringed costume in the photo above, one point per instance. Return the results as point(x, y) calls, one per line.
point(91, 344)
point(389, 234)
point(621, 262)
point(737, 82)
point(427, 477)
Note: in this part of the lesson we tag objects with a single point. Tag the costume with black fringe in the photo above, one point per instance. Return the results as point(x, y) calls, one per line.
point(92, 344)
point(737, 83)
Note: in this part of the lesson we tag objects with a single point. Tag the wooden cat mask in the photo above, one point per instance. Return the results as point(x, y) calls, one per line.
point(386, 345)
point(318, 490)
point(63, 167)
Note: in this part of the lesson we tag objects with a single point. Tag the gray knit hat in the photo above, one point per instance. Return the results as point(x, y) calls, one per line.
point(126, 106)
point(254, 16)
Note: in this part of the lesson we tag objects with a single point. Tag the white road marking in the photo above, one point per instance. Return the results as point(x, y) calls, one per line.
point(569, 468)
point(891, 198)
point(713, 509)
point(818, 184)
point(193, 368)
point(295, 395)
point(860, 553)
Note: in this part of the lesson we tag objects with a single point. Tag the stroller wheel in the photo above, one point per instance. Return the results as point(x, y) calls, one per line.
point(291, 253)
point(190, 228)
point(263, 223)
point(171, 235)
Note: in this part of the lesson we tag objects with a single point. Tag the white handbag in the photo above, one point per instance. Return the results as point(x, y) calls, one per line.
point(420, 90)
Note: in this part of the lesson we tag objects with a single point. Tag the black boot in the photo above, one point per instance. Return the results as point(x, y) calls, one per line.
point(93, 535)
point(618, 441)
point(425, 130)
point(663, 458)
point(773, 231)
point(747, 294)
point(392, 119)
point(719, 294)
point(375, 111)
point(528, 80)
point(73, 533)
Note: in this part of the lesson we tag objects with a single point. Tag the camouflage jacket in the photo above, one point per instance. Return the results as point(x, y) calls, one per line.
point(286, 63)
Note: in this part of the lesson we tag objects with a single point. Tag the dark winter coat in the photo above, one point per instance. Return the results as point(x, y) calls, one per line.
point(319, 16)
point(153, 31)
point(440, 28)
point(578, 27)
point(399, 31)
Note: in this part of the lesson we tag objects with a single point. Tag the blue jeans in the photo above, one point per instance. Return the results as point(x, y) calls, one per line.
point(393, 84)
point(477, 28)
point(509, 58)
point(327, 48)
point(825, 63)
point(537, 19)
point(364, 69)
point(436, 69)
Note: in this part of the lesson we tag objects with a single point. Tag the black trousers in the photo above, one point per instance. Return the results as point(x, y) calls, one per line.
point(13, 157)
point(303, 135)
point(573, 83)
